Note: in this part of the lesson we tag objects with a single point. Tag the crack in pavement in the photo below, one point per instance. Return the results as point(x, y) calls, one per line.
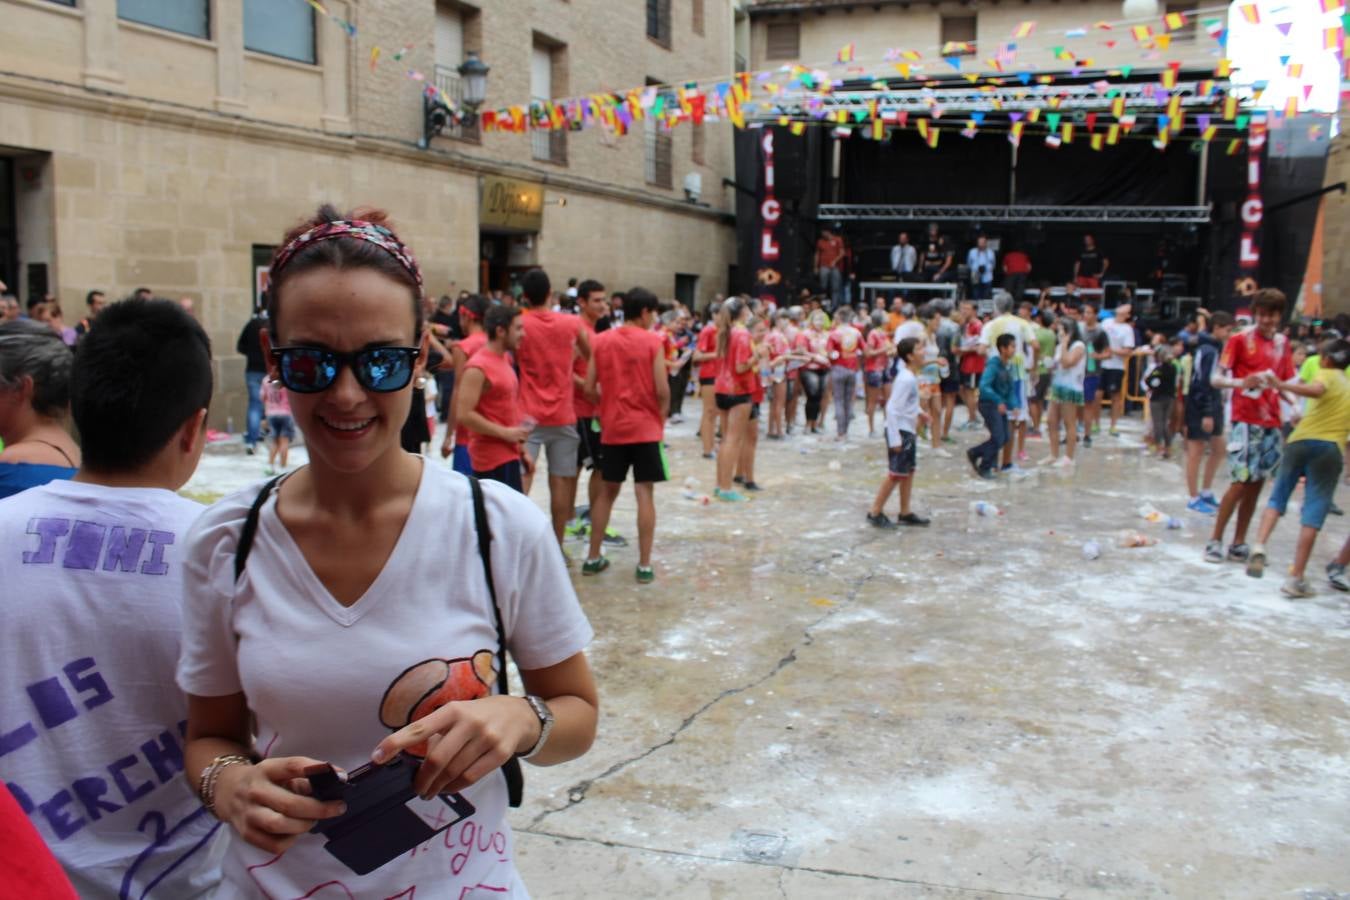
point(785, 868)
point(577, 792)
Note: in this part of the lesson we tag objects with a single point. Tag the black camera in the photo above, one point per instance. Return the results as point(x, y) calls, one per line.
point(385, 818)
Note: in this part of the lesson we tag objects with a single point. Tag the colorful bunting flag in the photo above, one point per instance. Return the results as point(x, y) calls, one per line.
point(1142, 33)
point(1233, 146)
point(1174, 21)
point(1250, 13)
point(846, 53)
point(1024, 29)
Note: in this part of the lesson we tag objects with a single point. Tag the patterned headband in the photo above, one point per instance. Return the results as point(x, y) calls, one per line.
point(356, 228)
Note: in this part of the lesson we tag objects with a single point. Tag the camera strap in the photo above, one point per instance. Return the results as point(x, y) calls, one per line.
point(515, 777)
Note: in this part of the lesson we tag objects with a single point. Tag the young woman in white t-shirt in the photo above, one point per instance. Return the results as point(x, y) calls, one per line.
point(1066, 390)
point(361, 626)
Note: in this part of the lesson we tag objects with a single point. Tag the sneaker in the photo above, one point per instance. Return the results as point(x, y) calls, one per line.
point(1296, 587)
point(1336, 575)
point(739, 479)
point(1113, 433)
point(1238, 552)
point(1087, 440)
point(594, 566)
point(1034, 433)
point(1097, 428)
point(1023, 456)
point(1256, 562)
point(971, 458)
point(710, 456)
point(250, 449)
point(677, 419)
point(1214, 552)
point(269, 471)
point(576, 528)
point(1208, 497)
point(987, 474)
point(911, 519)
point(728, 496)
point(948, 439)
point(941, 453)
point(1063, 462)
point(645, 574)
point(1199, 505)
point(880, 520)
point(1048, 461)
point(751, 486)
point(613, 538)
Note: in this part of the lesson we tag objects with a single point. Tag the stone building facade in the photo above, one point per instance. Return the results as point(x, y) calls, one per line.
point(170, 143)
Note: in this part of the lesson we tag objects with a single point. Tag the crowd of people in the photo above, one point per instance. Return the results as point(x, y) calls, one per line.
point(250, 622)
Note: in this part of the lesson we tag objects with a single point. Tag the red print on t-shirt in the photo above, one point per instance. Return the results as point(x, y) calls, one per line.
point(425, 687)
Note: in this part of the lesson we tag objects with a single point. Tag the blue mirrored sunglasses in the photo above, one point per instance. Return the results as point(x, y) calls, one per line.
point(309, 370)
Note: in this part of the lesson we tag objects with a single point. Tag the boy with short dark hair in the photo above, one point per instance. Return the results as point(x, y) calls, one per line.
point(92, 749)
point(1203, 414)
point(487, 402)
point(998, 398)
point(628, 367)
point(903, 415)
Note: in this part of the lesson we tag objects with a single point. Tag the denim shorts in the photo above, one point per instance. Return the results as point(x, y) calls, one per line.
point(1320, 463)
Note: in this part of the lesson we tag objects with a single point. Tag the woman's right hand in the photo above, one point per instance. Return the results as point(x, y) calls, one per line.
point(267, 803)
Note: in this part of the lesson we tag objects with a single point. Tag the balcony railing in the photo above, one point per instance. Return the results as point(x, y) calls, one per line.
point(549, 146)
point(448, 80)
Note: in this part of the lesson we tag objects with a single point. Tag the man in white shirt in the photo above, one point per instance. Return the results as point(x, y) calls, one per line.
point(91, 722)
point(904, 257)
point(980, 261)
point(1120, 333)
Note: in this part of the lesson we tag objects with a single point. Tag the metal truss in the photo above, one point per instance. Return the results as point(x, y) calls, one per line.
point(954, 101)
point(881, 212)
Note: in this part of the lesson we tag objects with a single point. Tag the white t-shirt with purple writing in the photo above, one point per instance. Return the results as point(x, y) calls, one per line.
point(330, 681)
point(91, 722)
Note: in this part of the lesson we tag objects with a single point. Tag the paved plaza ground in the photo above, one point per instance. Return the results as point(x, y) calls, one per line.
point(804, 707)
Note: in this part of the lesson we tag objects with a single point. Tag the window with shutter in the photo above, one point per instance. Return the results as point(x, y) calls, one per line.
point(784, 40)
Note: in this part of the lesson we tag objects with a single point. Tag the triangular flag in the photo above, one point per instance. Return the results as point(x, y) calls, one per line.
point(1163, 41)
point(1125, 71)
point(1250, 13)
point(953, 61)
point(1284, 27)
point(933, 134)
point(1053, 120)
point(1233, 146)
point(1223, 69)
point(1096, 142)
point(1024, 29)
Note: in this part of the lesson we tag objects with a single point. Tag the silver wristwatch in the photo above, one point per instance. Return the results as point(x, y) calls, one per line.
point(545, 724)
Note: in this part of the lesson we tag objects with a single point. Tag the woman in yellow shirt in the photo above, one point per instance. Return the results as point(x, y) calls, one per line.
point(1314, 452)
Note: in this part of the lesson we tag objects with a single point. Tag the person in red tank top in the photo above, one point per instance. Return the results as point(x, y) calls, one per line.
point(705, 357)
point(593, 311)
point(628, 368)
point(487, 402)
point(745, 464)
point(733, 386)
point(471, 312)
point(552, 341)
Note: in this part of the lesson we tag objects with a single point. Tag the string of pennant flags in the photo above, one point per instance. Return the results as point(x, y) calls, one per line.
point(906, 87)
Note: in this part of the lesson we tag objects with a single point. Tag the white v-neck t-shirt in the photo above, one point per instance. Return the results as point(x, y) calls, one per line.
point(331, 681)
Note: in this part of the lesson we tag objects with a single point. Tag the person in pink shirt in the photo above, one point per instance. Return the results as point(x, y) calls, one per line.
point(277, 409)
point(545, 357)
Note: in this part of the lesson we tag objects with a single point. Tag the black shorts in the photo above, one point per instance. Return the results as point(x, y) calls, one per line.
point(589, 446)
point(731, 401)
point(508, 474)
point(1043, 387)
point(1194, 425)
point(901, 460)
point(707, 381)
point(754, 411)
point(971, 380)
point(1111, 383)
point(952, 383)
point(648, 462)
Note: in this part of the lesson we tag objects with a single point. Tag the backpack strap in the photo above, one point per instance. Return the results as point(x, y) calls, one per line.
point(251, 526)
point(515, 778)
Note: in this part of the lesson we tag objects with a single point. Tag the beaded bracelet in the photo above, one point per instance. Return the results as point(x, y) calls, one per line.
point(206, 790)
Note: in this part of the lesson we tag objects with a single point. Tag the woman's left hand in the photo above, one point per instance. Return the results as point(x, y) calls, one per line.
point(465, 740)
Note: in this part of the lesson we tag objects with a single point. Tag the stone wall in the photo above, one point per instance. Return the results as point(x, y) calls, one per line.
point(168, 170)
